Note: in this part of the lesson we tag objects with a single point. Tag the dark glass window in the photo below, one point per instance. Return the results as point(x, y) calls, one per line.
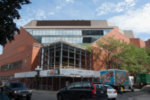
point(38, 38)
point(87, 40)
point(92, 32)
point(86, 85)
point(17, 85)
point(12, 66)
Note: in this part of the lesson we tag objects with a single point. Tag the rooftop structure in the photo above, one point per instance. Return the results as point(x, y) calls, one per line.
point(73, 31)
point(129, 33)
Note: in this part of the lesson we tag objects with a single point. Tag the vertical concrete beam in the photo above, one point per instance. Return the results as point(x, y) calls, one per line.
point(42, 58)
point(80, 60)
point(68, 56)
point(54, 56)
point(74, 57)
point(61, 56)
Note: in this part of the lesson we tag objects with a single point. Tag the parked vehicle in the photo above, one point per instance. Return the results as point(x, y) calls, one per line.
point(17, 90)
point(82, 91)
point(142, 79)
point(111, 92)
point(118, 79)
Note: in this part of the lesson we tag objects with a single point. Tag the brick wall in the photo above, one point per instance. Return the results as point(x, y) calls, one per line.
point(138, 42)
point(99, 61)
point(147, 43)
point(22, 48)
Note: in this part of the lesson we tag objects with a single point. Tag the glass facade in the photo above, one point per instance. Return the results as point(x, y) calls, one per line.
point(61, 55)
point(77, 36)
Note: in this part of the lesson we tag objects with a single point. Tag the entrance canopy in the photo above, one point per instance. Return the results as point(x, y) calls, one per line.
point(60, 73)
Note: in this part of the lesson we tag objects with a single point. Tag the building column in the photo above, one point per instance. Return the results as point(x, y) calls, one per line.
point(42, 57)
point(48, 58)
point(61, 56)
point(68, 56)
point(74, 57)
point(80, 60)
point(54, 56)
point(85, 60)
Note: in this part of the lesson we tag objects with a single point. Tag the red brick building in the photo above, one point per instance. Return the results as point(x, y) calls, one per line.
point(138, 42)
point(147, 43)
point(20, 55)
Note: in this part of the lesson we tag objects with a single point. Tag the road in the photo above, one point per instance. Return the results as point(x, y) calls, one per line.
point(43, 95)
point(50, 95)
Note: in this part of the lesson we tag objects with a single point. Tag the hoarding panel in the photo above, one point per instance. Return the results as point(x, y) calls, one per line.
point(107, 77)
point(121, 77)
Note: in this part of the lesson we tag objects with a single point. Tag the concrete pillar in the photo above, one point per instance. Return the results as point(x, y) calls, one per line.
point(80, 60)
point(42, 57)
point(68, 56)
point(61, 56)
point(48, 59)
point(54, 56)
point(74, 57)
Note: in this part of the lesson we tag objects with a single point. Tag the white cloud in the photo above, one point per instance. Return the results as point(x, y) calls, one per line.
point(33, 14)
point(51, 13)
point(95, 1)
point(69, 1)
point(58, 7)
point(109, 7)
point(40, 14)
point(137, 20)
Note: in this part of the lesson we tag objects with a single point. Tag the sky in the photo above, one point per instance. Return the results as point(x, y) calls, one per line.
point(127, 14)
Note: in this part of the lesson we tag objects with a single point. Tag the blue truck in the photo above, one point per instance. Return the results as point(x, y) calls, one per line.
point(119, 79)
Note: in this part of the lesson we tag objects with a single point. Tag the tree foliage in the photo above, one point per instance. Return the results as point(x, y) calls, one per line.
point(88, 46)
point(111, 46)
point(124, 56)
point(133, 59)
point(9, 12)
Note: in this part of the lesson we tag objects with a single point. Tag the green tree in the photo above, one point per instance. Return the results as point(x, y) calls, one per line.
point(148, 60)
point(112, 47)
point(133, 59)
point(9, 12)
point(88, 46)
point(124, 56)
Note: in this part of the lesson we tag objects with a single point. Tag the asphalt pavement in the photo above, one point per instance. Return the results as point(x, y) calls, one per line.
point(51, 95)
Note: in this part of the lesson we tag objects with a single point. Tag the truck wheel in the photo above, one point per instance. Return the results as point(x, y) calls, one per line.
point(28, 98)
point(132, 90)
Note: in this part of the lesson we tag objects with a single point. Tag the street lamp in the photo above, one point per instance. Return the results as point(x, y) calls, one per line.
point(38, 69)
point(37, 76)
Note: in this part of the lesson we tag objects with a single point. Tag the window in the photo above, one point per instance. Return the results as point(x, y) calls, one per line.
point(87, 40)
point(92, 32)
point(11, 66)
point(71, 86)
point(86, 85)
